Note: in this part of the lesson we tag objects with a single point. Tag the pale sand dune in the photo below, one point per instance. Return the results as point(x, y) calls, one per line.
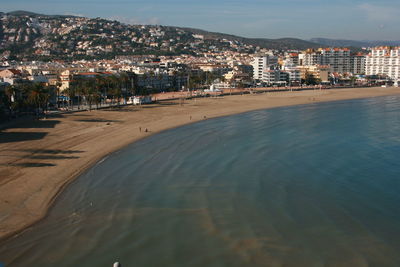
point(37, 160)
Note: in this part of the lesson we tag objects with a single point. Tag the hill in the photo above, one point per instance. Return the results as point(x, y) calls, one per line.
point(280, 44)
point(28, 36)
point(23, 13)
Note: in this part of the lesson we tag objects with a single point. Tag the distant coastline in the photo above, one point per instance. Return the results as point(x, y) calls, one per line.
point(40, 159)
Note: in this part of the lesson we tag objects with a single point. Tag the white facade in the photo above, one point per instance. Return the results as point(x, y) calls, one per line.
point(338, 59)
point(293, 71)
point(274, 76)
point(294, 75)
point(261, 63)
point(384, 61)
point(310, 58)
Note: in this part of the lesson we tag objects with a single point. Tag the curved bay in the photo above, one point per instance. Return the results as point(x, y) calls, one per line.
point(313, 185)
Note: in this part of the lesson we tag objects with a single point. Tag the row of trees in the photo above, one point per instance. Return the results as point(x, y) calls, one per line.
point(37, 98)
point(25, 98)
point(96, 90)
point(84, 90)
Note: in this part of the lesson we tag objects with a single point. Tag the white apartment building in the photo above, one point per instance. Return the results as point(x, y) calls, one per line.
point(310, 58)
point(293, 72)
point(384, 61)
point(338, 59)
point(275, 77)
point(291, 58)
point(261, 63)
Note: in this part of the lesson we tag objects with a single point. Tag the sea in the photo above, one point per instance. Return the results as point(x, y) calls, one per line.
point(309, 185)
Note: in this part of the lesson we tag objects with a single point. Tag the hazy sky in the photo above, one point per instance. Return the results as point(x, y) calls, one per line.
point(347, 19)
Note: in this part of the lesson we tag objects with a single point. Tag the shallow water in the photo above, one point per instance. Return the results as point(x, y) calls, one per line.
point(313, 185)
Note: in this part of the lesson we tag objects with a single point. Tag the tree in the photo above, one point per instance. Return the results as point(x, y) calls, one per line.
point(38, 95)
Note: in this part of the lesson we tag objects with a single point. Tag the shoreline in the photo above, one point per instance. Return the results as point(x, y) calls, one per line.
point(40, 159)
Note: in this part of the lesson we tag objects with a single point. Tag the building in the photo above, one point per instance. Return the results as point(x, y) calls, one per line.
point(65, 80)
point(292, 58)
point(261, 63)
point(214, 68)
point(161, 82)
point(320, 72)
point(310, 57)
point(338, 59)
point(357, 63)
point(384, 61)
point(10, 76)
point(275, 77)
point(10, 73)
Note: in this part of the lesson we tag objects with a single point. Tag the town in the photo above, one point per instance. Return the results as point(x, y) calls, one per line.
point(55, 62)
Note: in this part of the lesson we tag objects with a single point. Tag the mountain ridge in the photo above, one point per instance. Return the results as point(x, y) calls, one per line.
point(30, 35)
point(33, 14)
point(289, 42)
point(270, 43)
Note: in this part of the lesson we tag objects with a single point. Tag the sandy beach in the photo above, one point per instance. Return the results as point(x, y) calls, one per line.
point(39, 159)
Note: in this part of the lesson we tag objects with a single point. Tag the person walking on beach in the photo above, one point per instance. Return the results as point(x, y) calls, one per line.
point(140, 129)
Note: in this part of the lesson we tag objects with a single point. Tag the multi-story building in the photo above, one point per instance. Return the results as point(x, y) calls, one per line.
point(65, 79)
point(310, 57)
point(357, 63)
point(337, 58)
point(261, 63)
point(320, 72)
point(292, 58)
point(384, 61)
point(275, 76)
point(293, 72)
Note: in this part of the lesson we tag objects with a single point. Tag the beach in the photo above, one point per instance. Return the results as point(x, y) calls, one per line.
point(40, 158)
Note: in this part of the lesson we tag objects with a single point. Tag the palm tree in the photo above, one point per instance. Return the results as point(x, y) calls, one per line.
point(124, 81)
point(116, 88)
point(70, 92)
point(101, 84)
point(38, 95)
point(58, 85)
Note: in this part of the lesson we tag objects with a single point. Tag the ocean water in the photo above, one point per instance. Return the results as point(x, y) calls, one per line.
point(312, 185)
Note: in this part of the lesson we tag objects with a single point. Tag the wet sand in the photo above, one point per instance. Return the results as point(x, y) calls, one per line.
point(40, 158)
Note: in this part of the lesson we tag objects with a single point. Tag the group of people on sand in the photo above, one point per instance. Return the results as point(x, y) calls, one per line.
point(145, 130)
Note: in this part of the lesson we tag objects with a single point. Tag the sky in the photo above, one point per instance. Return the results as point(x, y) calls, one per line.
point(305, 19)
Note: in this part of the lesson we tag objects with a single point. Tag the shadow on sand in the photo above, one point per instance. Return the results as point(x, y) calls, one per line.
point(50, 151)
point(11, 137)
point(31, 165)
point(42, 154)
point(40, 124)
